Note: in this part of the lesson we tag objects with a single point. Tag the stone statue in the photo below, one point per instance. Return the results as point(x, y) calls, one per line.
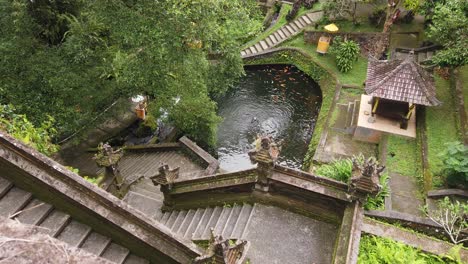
point(366, 175)
point(166, 176)
point(223, 251)
point(265, 150)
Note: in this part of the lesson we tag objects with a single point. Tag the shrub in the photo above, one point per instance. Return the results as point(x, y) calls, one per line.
point(339, 170)
point(378, 202)
point(374, 249)
point(147, 126)
point(347, 53)
point(455, 162)
point(452, 218)
point(18, 126)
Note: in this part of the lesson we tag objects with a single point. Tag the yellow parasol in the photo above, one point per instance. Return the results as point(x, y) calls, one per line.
point(331, 28)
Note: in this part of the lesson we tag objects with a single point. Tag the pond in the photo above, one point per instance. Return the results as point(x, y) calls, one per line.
point(279, 101)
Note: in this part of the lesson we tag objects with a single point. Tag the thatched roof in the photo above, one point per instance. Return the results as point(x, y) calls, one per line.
point(401, 80)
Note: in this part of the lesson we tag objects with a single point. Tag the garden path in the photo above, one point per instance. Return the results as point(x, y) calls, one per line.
point(284, 33)
point(405, 195)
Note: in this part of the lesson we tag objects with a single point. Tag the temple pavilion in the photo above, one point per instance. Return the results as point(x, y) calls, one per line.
point(393, 90)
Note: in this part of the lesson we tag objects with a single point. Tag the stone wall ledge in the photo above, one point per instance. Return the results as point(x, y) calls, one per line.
point(426, 244)
point(448, 192)
point(420, 224)
point(211, 163)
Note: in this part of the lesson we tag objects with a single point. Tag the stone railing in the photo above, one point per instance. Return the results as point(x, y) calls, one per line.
point(209, 161)
point(53, 183)
point(420, 224)
point(448, 192)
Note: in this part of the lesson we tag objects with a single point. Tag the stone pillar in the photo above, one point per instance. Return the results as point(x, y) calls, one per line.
point(265, 158)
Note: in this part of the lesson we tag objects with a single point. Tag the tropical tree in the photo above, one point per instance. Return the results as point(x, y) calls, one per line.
point(449, 27)
point(91, 53)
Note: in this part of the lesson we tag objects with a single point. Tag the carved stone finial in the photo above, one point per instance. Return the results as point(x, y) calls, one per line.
point(265, 151)
point(366, 176)
point(106, 156)
point(166, 176)
point(223, 251)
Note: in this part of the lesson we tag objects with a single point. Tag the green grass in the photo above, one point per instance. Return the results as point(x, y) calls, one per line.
point(374, 249)
point(303, 10)
point(279, 23)
point(404, 156)
point(441, 126)
point(356, 76)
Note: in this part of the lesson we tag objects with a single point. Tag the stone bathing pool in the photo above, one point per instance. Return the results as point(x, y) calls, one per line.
point(276, 100)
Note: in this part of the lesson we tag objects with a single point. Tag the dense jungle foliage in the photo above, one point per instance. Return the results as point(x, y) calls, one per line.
point(70, 59)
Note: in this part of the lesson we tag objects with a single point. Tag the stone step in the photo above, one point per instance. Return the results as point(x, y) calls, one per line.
point(231, 221)
point(13, 201)
point(285, 32)
point(133, 259)
point(115, 253)
point(35, 212)
point(172, 217)
point(222, 220)
point(298, 24)
point(269, 42)
point(306, 19)
point(277, 36)
point(184, 224)
point(178, 221)
point(55, 222)
point(312, 16)
point(290, 29)
point(5, 186)
point(273, 39)
point(264, 45)
point(241, 225)
point(253, 49)
point(96, 243)
point(281, 34)
point(211, 223)
point(203, 222)
point(293, 26)
point(142, 203)
point(243, 53)
point(247, 51)
point(192, 226)
point(74, 233)
point(258, 47)
point(155, 195)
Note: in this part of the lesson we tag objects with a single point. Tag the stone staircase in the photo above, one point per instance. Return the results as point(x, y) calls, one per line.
point(284, 33)
point(231, 222)
point(22, 206)
point(348, 117)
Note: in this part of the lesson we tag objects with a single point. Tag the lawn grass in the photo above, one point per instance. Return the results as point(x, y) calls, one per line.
point(442, 126)
point(349, 26)
point(279, 23)
point(404, 156)
point(356, 76)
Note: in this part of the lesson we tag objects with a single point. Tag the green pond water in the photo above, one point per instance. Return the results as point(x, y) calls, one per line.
point(279, 101)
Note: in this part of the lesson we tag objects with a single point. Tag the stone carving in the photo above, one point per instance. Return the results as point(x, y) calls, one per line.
point(166, 176)
point(223, 251)
point(366, 175)
point(266, 150)
point(109, 158)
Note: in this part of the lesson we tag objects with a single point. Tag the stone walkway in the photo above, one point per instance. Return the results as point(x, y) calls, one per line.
point(405, 195)
point(284, 33)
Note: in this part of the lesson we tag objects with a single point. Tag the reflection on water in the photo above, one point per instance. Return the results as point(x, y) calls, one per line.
point(280, 101)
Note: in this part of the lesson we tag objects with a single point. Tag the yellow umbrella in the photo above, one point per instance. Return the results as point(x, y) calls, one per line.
point(331, 28)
